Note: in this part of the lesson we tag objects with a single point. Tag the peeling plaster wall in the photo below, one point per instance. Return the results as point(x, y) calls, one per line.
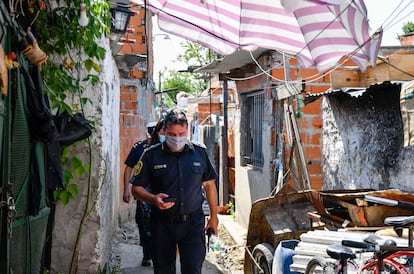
point(95, 243)
point(362, 143)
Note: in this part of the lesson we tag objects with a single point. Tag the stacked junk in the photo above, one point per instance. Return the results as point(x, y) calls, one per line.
point(278, 223)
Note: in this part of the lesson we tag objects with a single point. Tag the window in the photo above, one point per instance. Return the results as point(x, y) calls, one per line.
point(253, 119)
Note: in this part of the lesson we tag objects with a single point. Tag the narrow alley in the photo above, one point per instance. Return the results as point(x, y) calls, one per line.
point(227, 256)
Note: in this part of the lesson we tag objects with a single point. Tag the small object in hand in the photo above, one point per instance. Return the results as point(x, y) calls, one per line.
point(209, 232)
point(169, 199)
point(146, 262)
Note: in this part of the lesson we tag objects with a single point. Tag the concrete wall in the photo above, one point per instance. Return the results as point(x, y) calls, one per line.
point(104, 185)
point(252, 184)
point(363, 142)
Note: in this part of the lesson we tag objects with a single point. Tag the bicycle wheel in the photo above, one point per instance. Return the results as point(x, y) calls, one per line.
point(391, 266)
point(405, 258)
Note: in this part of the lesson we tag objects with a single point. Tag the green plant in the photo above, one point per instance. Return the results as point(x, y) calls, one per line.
point(71, 52)
point(74, 50)
point(408, 27)
point(74, 53)
point(105, 270)
point(231, 209)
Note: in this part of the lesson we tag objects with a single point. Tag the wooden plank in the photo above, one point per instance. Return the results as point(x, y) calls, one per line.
point(345, 78)
point(305, 174)
point(287, 90)
point(404, 61)
point(384, 71)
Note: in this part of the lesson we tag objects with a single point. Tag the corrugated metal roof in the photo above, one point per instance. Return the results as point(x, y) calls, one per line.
point(354, 92)
point(233, 61)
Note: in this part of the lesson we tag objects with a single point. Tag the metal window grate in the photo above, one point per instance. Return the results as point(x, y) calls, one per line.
point(253, 152)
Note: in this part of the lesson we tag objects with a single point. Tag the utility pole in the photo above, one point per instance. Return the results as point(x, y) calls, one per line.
point(160, 90)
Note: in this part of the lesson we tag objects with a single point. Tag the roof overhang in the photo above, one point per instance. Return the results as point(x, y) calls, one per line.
point(235, 60)
point(352, 91)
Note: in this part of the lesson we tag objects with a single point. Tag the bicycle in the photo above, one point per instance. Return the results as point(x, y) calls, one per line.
point(388, 257)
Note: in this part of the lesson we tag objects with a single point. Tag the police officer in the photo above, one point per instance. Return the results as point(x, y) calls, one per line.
point(177, 169)
point(142, 214)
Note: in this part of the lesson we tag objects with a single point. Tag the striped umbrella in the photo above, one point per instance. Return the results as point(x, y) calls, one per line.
point(317, 32)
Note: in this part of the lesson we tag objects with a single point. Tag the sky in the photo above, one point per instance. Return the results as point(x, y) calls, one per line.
point(380, 12)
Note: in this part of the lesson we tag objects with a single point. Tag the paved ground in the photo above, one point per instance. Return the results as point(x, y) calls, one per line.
point(127, 254)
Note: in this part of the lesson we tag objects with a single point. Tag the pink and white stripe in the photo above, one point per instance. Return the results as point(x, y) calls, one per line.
point(317, 32)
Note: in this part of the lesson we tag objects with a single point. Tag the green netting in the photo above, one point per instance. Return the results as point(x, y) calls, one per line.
point(40, 155)
point(20, 147)
point(27, 243)
point(2, 117)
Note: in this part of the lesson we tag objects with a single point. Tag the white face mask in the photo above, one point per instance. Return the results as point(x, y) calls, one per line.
point(176, 143)
point(162, 138)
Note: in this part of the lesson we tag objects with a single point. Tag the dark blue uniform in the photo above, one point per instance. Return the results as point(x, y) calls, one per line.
point(180, 175)
point(142, 215)
point(135, 153)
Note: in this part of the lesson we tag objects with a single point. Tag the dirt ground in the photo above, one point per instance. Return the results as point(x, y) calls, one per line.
point(224, 257)
point(230, 256)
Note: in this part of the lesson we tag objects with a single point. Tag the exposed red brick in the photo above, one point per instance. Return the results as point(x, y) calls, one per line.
point(316, 182)
point(317, 89)
point(314, 169)
point(130, 105)
point(317, 122)
point(273, 137)
point(125, 96)
point(312, 152)
point(312, 108)
point(133, 96)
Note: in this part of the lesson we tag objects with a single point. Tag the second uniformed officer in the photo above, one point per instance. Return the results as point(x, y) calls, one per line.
point(177, 169)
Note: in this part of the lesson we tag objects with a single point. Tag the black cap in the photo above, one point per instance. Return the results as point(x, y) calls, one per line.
point(175, 117)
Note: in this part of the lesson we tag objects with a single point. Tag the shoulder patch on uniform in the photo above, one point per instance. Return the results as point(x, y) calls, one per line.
point(138, 168)
point(139, 143)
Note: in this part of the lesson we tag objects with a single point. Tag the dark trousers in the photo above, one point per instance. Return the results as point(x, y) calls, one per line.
point(188, 236)
point(142, 218)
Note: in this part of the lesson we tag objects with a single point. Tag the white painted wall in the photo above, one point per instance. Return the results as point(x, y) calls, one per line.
point(97, 233)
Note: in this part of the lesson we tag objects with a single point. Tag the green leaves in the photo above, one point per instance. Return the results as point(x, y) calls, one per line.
point(73, 48)
point(74, 168)
point(408, 27)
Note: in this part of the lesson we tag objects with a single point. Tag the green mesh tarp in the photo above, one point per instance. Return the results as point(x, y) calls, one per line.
point(28, 238)
point(20, 147)
point(22, 250)
point(2, 117)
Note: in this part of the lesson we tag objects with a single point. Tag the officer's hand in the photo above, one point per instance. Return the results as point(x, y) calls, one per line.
point(159, 201)
point(126, 197)
point(212, 223)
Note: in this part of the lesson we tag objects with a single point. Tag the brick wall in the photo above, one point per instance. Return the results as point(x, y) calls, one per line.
point(407, 40)
point(204, 110)
point(310, 123)
point(131, 126)
point(132, 120)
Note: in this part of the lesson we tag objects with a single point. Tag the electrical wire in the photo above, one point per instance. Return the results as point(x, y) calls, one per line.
point(317, 76)
point(392, 22)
